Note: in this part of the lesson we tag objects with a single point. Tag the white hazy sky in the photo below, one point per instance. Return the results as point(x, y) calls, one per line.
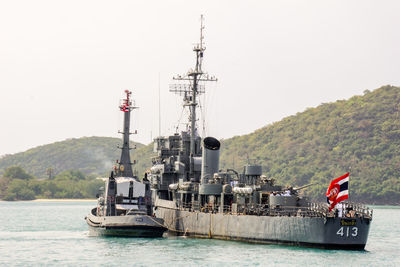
point(64, 64)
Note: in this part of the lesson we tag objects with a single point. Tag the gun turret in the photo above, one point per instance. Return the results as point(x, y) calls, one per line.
point(302, 187)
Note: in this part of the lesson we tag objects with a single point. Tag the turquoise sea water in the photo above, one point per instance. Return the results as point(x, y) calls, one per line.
point(55, 233)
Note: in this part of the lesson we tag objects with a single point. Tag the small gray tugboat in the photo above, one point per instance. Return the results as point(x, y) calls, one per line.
point(124, 209)
point(196, 198)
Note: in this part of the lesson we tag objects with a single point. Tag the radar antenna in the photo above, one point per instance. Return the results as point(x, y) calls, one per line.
point(192, 88)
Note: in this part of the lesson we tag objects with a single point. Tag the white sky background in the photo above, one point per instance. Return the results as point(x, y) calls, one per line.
point(64, 64)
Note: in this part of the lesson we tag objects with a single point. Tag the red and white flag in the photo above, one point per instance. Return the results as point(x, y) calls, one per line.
point(124, 108)
point(338, 191)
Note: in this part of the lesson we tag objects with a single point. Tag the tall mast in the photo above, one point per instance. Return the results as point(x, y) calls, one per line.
point(125, 164)
point(193, 89)
point(159, 107)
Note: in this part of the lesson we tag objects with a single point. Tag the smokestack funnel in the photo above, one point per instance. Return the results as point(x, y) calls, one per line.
point(210, 158)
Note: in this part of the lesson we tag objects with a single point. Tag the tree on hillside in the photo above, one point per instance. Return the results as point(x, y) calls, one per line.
point(16, 172)
point(19, 190)
point(70, 175)
point(50, 173)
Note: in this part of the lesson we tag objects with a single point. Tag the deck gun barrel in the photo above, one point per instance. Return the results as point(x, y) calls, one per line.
point(302, 187)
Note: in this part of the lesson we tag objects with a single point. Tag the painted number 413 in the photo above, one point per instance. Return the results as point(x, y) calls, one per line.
point(347, 231)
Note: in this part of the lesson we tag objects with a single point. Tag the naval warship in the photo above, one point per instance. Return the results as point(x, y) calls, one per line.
point(195, 198)
point(124, 208)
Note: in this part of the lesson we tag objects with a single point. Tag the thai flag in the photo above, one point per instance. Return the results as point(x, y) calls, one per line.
point(124, 108)
point(338, 191)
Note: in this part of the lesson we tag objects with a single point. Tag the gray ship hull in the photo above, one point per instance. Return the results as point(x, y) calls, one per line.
point(323, 232)
point(125, 226)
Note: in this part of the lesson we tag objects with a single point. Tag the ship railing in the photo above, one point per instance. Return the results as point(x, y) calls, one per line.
point(295, 211)
point(227, 209)
point(183, 205)
point(289, 211)
point(188, 206)
point(196, 205)
point(319, 207)
point(208, 208)
point(262, 210)
point(352, 210)
point(312, 210)
point(343, 209)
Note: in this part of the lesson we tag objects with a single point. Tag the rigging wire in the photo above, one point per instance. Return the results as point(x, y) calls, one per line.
point(209, 109)
point(179, 120)
point(202, 114)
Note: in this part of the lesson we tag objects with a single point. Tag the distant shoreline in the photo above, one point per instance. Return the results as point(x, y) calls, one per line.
point(62, 199)
point(54, 200)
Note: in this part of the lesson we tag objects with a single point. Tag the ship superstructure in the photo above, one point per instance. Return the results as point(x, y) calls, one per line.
point(196, 198)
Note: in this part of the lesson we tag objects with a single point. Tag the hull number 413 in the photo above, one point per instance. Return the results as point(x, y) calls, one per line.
point(347, 231)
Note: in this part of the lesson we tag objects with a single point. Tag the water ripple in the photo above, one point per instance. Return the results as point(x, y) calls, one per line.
point(38, 234)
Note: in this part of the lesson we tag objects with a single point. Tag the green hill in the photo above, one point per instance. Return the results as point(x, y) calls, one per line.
point(360, 135)
point(90, 155)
